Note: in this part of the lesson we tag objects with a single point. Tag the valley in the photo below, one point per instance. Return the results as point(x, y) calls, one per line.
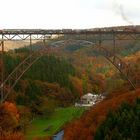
point(41, 103)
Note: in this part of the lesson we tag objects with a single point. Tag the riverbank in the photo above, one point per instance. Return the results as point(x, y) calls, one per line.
point(43, 127)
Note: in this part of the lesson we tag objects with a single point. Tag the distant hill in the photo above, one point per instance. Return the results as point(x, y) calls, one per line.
point(10, 45)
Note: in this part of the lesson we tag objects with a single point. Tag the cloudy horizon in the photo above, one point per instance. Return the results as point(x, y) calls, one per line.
point(54, 14)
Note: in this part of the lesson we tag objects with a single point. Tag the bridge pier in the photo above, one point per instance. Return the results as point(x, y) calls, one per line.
point(100, 40)
point(44, 40)
point(31, 43)
point(114, 44)
point(2, 69)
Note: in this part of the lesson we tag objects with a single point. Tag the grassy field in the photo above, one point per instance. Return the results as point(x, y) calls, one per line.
point(54, 122)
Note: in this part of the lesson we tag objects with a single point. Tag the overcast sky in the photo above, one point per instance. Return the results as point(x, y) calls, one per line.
point(52, 14)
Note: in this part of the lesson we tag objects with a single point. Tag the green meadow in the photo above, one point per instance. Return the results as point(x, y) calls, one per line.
point(42, 127)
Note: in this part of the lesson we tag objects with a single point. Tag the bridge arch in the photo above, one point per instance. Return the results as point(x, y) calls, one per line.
point(117, 62)
point(19, 71)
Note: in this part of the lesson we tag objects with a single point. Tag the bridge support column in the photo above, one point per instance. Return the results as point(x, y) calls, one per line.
point(100, 40)
point(86, 35)
point(31, 43)
point(44, 41)
point(114, 47)
point(30, 49)
point(114, 44)
point(2, 70)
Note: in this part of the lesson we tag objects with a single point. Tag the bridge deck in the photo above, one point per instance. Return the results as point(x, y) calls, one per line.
point(65, 31)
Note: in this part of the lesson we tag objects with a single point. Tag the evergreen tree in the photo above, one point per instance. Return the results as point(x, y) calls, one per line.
point(123, 124)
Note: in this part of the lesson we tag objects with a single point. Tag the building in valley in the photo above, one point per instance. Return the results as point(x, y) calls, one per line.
point(89, 99)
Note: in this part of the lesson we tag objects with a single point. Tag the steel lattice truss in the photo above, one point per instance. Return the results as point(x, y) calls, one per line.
point(82, 37)
point(121, 66)
point(110, 56)
point(41, 34)
point(18, 72)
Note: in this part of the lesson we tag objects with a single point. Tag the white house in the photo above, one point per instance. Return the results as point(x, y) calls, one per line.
point(89, 99)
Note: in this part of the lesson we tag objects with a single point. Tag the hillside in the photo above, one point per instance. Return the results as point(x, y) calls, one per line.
point(59, 79)
point(85, 128)
point(11, 45)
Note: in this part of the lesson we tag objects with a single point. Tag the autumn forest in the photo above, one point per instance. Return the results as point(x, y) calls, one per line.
point(57, 80)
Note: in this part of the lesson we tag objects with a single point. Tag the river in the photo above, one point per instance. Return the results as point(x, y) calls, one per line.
point(59, 135)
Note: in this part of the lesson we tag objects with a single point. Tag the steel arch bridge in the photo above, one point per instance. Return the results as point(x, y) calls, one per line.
point(64, 37)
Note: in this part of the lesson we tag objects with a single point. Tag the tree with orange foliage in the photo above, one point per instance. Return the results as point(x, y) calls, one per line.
point(8, 117)
point(78, 84)
point(12, 136)
point(11, 107)
point(95, 116)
